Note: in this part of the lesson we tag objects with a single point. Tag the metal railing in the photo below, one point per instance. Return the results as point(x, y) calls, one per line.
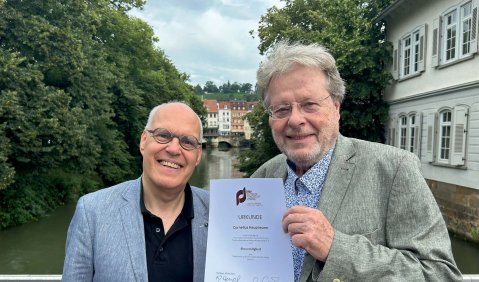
point(28, 277)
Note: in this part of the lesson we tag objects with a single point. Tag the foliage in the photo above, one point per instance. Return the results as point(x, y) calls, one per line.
point(226, 88)
point(210, 87)
point(231, 97)
point(348, 29)
point(77, 80)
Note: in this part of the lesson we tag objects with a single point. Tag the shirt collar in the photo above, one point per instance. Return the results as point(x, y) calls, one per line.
point(187, 210)
point(310, 178)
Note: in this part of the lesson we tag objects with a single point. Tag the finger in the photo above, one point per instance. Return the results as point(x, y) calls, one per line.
point(297, 228)
point(299, 240)
point(291, 218)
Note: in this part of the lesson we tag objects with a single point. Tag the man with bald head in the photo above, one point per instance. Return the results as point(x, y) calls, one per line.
point(153, 228)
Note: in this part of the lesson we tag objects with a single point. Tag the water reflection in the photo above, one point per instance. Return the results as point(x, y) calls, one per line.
point(216, 164)
point(466, 254)
point(37, 247)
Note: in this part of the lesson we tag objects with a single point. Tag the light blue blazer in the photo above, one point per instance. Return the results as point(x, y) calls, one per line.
point(106, 240)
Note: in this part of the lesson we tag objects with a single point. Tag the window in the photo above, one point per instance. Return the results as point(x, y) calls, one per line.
point(455, 34)
point(410, 55)
point(446, 135)
point(408, 138)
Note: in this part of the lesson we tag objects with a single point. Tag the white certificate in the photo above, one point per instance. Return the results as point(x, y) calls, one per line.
point(246, 241)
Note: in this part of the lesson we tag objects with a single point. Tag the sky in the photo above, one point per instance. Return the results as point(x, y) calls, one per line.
point(209, 39)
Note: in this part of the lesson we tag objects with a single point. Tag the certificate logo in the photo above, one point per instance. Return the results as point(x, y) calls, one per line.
point(241, 196)
point(244, 194)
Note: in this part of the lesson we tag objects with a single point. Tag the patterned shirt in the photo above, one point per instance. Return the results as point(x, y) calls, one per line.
point(305, 191)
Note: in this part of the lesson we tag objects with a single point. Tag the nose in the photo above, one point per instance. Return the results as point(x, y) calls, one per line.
point(173, 147)
point(297, 117)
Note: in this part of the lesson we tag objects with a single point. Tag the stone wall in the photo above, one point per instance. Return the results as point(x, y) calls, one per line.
point(459, 206)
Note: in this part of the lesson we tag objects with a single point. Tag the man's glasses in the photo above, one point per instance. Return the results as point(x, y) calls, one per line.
point(282, 111)
point(163, 136)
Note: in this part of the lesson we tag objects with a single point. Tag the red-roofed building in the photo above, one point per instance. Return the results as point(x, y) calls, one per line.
point(211, 128)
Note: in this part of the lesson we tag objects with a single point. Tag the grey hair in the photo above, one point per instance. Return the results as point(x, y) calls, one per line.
point(285, 56)
point(152, 114)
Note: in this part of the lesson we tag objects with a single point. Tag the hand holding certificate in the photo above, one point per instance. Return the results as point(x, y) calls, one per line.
point(245, 239)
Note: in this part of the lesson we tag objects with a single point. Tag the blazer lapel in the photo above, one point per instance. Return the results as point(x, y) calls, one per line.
point(338, 179)
point(199, 229)
point(134, 230)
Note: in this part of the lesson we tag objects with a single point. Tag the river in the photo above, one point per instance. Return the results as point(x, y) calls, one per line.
point(38, 247)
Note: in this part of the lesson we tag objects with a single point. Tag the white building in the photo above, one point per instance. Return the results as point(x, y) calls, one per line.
point(434, 98)
point(211, 127)
point(224, 118)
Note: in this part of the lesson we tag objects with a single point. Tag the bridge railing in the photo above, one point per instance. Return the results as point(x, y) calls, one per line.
point(28, 277)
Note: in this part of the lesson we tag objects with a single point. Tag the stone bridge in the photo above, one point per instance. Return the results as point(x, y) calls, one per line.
point(225, 141)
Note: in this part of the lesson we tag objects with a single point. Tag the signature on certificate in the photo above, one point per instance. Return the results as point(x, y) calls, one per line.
point(266, 279)
point(228, 278)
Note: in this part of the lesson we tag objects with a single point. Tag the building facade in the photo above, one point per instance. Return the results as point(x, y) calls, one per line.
point(227, 118)
point(434, 100)
point(211, 127)
point(224, 118)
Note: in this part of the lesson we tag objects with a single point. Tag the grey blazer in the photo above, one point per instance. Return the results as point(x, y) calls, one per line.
point(106, 240)
point(387, 224)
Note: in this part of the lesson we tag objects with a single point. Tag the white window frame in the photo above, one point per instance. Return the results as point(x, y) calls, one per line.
point(444, 136)
point(408, 131)
point(413, 133)
point(456, 134)
point(408, 58)
point(452, 30)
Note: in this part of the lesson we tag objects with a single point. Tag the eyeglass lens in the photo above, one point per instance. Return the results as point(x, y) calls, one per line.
point(163, 136)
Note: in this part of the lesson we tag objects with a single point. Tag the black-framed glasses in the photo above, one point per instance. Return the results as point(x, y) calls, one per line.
point(163, 136)
point(284, 110)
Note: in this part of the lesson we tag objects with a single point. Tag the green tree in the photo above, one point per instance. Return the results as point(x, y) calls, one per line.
point(235, 87)
point(199, 89)
point(348, 29)
point(210, 87)
point(247, 88)
point(77, 80)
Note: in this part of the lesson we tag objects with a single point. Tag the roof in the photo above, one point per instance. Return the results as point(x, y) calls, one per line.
point(210, 105)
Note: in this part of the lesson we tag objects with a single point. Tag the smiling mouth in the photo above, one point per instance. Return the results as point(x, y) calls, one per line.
point(298, 137)
point(170, 164)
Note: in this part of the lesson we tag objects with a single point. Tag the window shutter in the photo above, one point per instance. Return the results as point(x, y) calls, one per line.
point(459, 132)
point(400, 56)
point(430, 124)
point(474, 27)
point(417, 146)
point(393, 141)
point(395, 64)
point(436, 42)
point(392, 127)
point(422, 48)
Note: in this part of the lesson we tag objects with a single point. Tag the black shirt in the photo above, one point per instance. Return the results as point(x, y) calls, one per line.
point(169, 257)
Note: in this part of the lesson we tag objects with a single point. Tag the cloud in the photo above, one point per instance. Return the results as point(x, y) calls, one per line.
point(208, 39)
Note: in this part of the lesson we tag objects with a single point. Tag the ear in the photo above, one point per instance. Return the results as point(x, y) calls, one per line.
point(198, 158)
point(143, 138)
